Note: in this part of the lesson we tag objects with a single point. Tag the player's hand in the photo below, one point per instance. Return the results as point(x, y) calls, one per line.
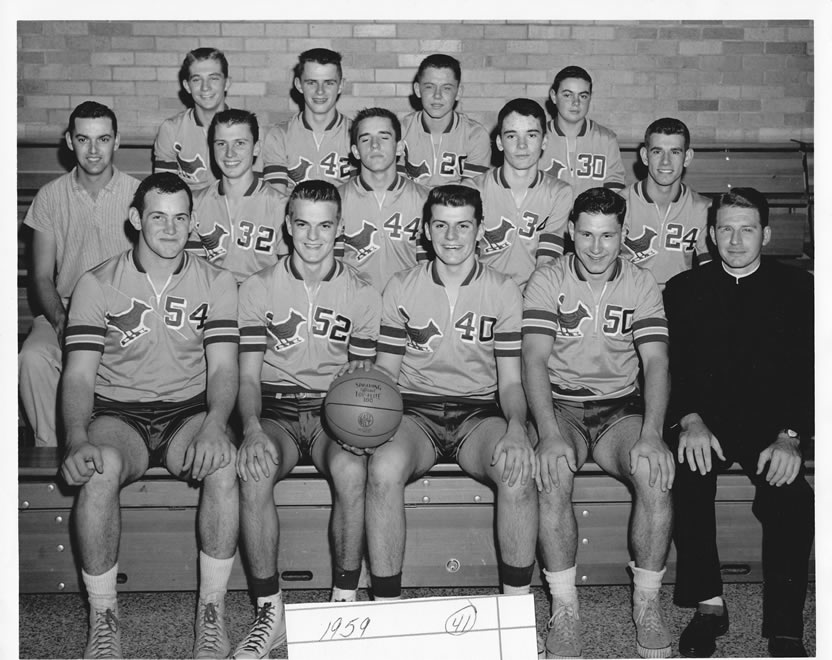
point(520, 459)
point(652, 448)
point(784, 458)
point(549, 452)
point(695, 444)
point(257, 455)
point(353, 366)
point(210, 450)
point(79, 463)
point(358, 451)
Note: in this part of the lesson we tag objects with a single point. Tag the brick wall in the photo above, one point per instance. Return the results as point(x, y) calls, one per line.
point(728, 80)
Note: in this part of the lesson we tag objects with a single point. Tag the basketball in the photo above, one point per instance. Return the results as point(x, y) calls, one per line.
point(363, 408)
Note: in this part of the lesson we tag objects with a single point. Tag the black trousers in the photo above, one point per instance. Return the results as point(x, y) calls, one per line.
point(787, 517)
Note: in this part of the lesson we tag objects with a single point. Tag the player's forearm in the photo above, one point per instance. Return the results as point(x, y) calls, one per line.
point(656, 392)
point(249, 402)
point(539, 396)
point(221, 393)
point(513, 403)
point(77, 395)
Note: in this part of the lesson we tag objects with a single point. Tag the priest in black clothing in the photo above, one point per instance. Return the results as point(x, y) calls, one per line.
point(742, 368)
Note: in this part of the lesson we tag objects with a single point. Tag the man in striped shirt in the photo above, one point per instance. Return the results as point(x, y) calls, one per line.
point(78, 221)
point(450, 337)
point(588, 319)
point(150, 380)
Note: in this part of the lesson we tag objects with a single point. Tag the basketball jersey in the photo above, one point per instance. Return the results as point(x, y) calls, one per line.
point(291, 152)
point(152, 343)
point(595, 351)
point(380, 238)
point(463, 150)
point(307, 334)
point(251, 240)
point(516, 236)
point(589, 160)
point(450, 352)
point(665, 243)
point(181, 147)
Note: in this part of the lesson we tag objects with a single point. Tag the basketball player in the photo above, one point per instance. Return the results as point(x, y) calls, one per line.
point(382, 208)
point(181, 144)
point(239, 219)
point(78, 221)
point(302, 322)
point(666, 219)
point(588, 319)
point(450, 338)
point(150, 380)
point(525, 210)
point(580, 151)
point(442, 145)
point(315, 143)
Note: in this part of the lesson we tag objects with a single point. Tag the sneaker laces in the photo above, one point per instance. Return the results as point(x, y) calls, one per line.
point(104, 641)
point(649, 616)
point(210, 632)
point(564, 618)
point(258, 636)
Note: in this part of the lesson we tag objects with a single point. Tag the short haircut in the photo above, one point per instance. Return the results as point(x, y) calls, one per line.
point(440, 61)
point(744, 198)
point(455, 196)
point(198, 55)
point(525, 107)
point(367, 113)
point(91, 110)
point(314, 190)
point(319, 56)
point(167, 183)
point(667, 126)
point(571, 72)
point(232, 117)
point(599, 201)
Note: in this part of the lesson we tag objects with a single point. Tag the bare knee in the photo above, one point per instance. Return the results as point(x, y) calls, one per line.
point(224, 478)
point(348, 473)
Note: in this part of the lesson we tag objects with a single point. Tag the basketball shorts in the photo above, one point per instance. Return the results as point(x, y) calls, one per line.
point(299, 416)
point(155, 421)
point(592, 419)
point(449, 423)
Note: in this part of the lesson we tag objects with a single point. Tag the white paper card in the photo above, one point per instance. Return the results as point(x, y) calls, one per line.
point(483, 627)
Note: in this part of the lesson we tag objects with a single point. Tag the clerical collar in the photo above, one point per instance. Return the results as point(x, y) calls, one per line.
point(739, 277)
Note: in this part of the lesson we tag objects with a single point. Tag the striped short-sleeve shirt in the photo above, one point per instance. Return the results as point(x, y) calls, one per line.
point(87, 231)
point(450, 352)
point(596, 338)
point(152, 343)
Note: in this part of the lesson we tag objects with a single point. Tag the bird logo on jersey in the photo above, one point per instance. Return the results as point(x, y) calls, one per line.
point(286, 332)
point(362, 242)
point(414, 171)
point(569, 322)
point(300, 171)
point(555, 168)
point(641, 246)
point(419, 338)
point(130, 323)
point(189, 169)
point(212, 242)
point(495, 239)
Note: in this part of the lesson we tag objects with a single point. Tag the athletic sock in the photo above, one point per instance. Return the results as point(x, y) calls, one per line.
point(213, 575)
point(388, 587)
point(562, 584)
point(646, 582)
point(101, 589)
point(516, 580)
point(265, 587)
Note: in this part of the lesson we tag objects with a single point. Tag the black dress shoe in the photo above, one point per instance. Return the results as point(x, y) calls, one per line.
point(786, 647)
point(698, 640)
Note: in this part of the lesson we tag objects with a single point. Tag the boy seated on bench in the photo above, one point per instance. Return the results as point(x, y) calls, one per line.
point(450, 337)
point(150, 380)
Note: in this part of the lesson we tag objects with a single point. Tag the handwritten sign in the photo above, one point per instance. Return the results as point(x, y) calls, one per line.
point(483, 627)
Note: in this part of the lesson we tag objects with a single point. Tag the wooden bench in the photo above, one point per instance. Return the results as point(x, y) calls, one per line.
point(450, 523)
